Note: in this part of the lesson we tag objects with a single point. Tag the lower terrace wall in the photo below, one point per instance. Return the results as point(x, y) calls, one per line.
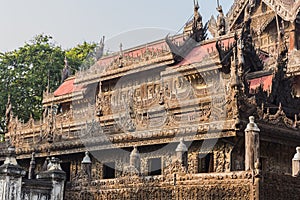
point(233, 185)
point(36, 189)
point(276, 186)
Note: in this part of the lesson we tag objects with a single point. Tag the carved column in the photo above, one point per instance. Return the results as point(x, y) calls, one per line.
point(251, 144)
point(296, 163)
point(11, 175)
point(57, 176)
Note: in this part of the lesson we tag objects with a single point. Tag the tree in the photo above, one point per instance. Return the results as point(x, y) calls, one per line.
point(81, 55)
point(25, 73)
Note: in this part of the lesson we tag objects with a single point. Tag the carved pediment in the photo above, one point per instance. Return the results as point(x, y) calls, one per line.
point(287, 9)
point(235, 12)
point(261, 21)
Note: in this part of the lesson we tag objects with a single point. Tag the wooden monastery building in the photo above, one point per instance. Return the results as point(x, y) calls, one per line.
point(184, 117)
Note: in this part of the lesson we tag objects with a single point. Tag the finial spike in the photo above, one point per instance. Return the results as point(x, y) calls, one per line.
point(121, 52)
point(8, 113)
point(65, 72)
point(66, 61)
point(251, 119)
point(196, 4)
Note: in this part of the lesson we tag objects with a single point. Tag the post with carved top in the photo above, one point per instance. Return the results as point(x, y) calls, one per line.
point(57, 176)
point(252, 155)
point(296, 163)
point(251, 144)
point(11, 175)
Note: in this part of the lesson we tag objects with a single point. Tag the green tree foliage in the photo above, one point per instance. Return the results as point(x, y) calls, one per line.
point(26, 72)
point(81, 55)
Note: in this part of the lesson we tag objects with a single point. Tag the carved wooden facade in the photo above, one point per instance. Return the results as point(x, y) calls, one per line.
point(201, 90)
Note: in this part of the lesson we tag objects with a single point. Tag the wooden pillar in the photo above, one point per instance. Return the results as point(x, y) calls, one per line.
point(251, 144)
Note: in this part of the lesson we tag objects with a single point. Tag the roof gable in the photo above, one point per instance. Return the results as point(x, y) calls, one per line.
point(67, 87)
point(286, 9)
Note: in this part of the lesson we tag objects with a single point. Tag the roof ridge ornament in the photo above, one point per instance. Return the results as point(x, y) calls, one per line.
point(100, 48)
point(197, 32)
point(66, 61)
point(221, 22)
point(196, 4)
point(8, 113)
point(121, 54)
point(218, 4)
point(65, 72)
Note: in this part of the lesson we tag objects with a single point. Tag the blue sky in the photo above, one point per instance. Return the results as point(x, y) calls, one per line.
point(71, 22)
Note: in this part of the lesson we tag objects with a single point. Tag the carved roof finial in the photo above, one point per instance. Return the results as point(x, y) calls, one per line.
point(196, 5)
point(100, 49)
point(8, 113)
point(66, 61)
point(48, 82)
point(219, 7)
point(66, 71)
point(102, 41)
point(121, 50)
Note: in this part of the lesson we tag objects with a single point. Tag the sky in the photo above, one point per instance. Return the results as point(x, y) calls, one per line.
point(71, 22)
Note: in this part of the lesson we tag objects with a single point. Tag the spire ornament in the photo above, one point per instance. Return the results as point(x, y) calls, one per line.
point(100, 49)
point(8, 114)
point(121, 56)
point(66, 71)
point(220, 20)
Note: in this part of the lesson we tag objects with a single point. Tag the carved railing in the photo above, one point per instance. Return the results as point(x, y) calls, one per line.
point(233, 185)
